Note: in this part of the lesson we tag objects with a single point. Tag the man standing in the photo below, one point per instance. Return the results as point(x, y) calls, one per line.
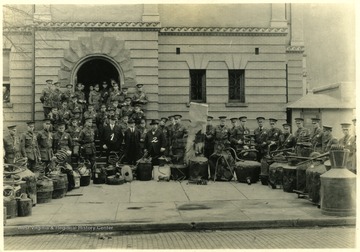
point(87, 142)
point(62, 140)
point(261, 134)
point(327, 139)
point(209, 137)
point(302, 136)
point(29, 147)
point(11, 145)
point(286, 139)
point(165, 131)
point(139, 96)
point(316, 135)
point(104, 93)
point(273, 135)
point(347, 141)
point(232, 130)
point(132, 143)
point(45, 97)
point(238, 136)
point(155, 142)
point(111, 137)
point(45, 140)
point(178, 141)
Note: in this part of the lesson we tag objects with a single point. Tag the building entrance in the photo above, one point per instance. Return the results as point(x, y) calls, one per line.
point(95, 71)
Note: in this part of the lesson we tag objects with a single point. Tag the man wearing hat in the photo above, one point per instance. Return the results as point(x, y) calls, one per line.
point(45, 141)
point(178, 140)
point(302, 136)
point(286, 139)
point(316, 135)
point(87, 142)
point(139, 96)
point(238, 137)
point(45, 97)
point(80, 93)
point(104, 93)
point(155, 142)
point(65, 112)
point(95, 97)
point(115, 94)
point(347, 141)
point(165, 131)
point(232, 129)
point(54, 117)
point(56, 95)
point(11, 145)
point(62, 141)
point(74, 130)
point(137, 114)
point(261, 135)
point(126, 108)
point(209, 137)
point(123, 95)
point(74, 104)
point(91, 113)
point(327, 139)
point(273, 135)
point(66, 96)
point(29, 146)
point(132, 143)
point(111, 137)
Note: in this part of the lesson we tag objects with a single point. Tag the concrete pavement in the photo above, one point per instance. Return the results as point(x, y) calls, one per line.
point(152, 205)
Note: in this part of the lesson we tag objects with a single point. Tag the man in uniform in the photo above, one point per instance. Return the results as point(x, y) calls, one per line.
point(132, 143)
point(239, 136)
point(273, 135)
point(327, 139)
point(155, 142)
point(127, 109)
point(45, 141)
point(74, 130)
point(123, 95)
point(302, 136)
point(347, 141)
point(286, 139)
point(45, 97)
point(95, 97)
point(261, 134)
point(56, 96)
point(65, 113)
point(139, 96)
point(11, 145)
point(111, 137)
point(138, 114)
point(104, 93)
point(165, 131)
point(232, 130)
point(62, 141)
point(316, 135)
point(80, 93)
point(115, 94)
point(143, 131)
point(54, 117)
point(29, 146)
point(178, 140)
point(87, 142)
point(68, 93)
point(209, 137)
point(91, 113)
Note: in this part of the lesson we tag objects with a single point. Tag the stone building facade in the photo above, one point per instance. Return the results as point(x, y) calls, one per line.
point(249, 61)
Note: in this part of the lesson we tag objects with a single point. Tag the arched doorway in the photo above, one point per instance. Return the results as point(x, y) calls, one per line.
point(94, 71)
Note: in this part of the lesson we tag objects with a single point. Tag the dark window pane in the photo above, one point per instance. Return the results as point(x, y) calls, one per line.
point(236, 85)
point(198, 85)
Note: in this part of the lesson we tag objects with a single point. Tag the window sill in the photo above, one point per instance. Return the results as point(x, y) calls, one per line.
point(7, 105)
point(236, 104)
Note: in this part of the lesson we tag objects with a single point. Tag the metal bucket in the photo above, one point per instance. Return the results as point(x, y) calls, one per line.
point(144, 171)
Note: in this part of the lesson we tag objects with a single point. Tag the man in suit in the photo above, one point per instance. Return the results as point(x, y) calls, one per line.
point(155, 142)
point(111, 137)
point(132, 143)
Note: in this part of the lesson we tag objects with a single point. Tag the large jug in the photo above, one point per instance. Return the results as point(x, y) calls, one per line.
point(24, 205)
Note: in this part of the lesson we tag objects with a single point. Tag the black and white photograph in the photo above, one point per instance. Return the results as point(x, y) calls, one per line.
point(179, 125)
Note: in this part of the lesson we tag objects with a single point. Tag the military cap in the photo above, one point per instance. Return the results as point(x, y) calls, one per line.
point(315, 119)
point(104, 83)
point(124, 88)
point(345, 125)
point(272, 120)
point(210, 117)
point(56, 83)
point(154, 122)
point(69, 85)
point(260, 118)
point(61, 123)
point(73, 119)
point(222, 117)
point(49, 81)
point(242, 117)
point(171, 116)
point(131, 121)
point(88, 119)
point(90, 105)
point(233, 119)
point(46, 120)
point(113, 118)
point(286, 125)
point(127, 98)
point(177, 116)
point(12, 126)
point(326, 127)
point(299, 119)
point(164, 119)
point(139, 85)
point(30, 123)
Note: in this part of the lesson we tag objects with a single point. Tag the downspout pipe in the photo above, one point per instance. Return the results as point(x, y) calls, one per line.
point(33, 68)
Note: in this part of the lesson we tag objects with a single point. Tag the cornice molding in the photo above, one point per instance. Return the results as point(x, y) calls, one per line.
point(154, 26)
point(295, 49)
point(224, 31)
point(18, 30)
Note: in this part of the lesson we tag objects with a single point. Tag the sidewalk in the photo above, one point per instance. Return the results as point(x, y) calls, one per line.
point(152, 205)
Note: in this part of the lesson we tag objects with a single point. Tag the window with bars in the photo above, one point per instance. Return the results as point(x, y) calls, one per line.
point(6, 75)
point(198, 86)
point(237, 86)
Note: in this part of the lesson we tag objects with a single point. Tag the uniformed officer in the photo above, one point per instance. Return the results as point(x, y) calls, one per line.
point(302, 136)
point(347, 141)
point(261, 135)
point(87, 142)
point(238, 136)
point(170, 129)
point(91, 113)
point(54, 117)
point(123, 95)
point(29, 146)
point(80, 93)
point(178, 140)
point(56, 95)
point(45, 97)
point(139, 96)
point(286, 139)
point(316, 135)
point(74, 130)
point(327, 139)
point(62, 140)
point(155, 142)
point(74, 104)
point(127, 109)
point(95, 97)
point(68, 93)
point(104, 93)
point(115, 94)
point(209, 137)
point(11, 145)
point(232, 129)
point(138, 114)
point(273, 135)
point(65, 113)
point(45, 140)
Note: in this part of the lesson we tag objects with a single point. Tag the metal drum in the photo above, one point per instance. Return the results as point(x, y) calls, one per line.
point(59, 185)
point(30, 179)
point(24, 205)
point(247, 171)
point(44, 189)
point(144, 170)
point(10, 202)
point(179, 171)
point(289, 178)
point(313, 182)
point(198, 168)
point(276, 175)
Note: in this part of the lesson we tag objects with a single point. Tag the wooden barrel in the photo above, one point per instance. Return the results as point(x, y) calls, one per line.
point(276, 175)
point(289, 178)
point(179, 172)
point(198, 168)
point(24, 205)
point(59, 185)
point(247, 171)
point(44, 189)
point(313, 182)
point(144, 170)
